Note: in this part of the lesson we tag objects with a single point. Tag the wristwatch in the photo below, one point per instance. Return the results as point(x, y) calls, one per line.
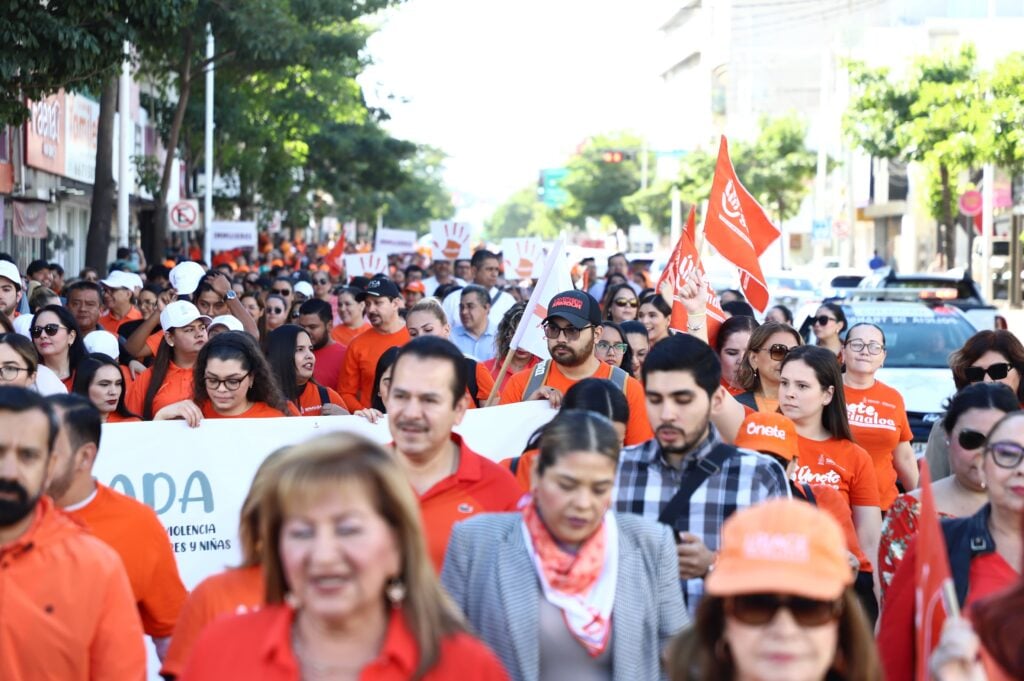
point(230, 295)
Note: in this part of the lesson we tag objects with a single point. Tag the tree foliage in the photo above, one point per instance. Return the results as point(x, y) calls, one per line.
point(597, 188)
point(523, 214)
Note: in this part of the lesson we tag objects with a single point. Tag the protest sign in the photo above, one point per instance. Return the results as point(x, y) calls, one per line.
point(450, 240)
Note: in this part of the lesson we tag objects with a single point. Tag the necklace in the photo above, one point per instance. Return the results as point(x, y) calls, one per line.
point(311, 669)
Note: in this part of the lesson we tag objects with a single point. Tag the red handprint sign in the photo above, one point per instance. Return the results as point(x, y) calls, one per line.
point(521, 257)
point(451, 240)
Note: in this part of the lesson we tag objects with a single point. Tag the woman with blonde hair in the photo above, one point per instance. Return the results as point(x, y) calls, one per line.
point(350, 590)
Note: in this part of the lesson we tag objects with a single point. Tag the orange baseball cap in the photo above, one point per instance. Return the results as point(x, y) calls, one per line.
point(768, 432)
point(781, 546)
point(416, 286)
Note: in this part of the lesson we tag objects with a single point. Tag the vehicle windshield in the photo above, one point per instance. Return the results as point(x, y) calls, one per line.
point(964, 289)
point(914, 342)
point(790, 283)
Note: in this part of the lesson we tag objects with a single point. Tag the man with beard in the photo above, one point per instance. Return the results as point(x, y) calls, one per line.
point(387, 330)
point(67, 607)
point(10, 288)
point(428, 398)
point(129, 527)
point(686, 476)
point(316, 317)
point(572, 328)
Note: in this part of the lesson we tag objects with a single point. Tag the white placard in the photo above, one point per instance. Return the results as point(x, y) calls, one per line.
point(225, 236)
point(366, 264)
point(395, 241)
point(450, 240)
point(522, 257)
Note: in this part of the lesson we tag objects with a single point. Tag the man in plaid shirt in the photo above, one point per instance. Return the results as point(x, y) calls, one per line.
point(682, 385)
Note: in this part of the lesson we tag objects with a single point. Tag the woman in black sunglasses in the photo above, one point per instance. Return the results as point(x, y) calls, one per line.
point(828, 324)
point(970, 415)
point(758, 372)
point(621, 304)
point(58, 341)
point(984, 550)
point(773, 613)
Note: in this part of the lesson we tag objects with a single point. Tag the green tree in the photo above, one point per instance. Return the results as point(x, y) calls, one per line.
point(597, 188)
point(419, 194)
point(523, 214)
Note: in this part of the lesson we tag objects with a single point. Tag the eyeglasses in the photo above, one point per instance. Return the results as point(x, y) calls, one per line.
point(971, 439)
point(275, 310)
point(995, 372)
point(605, 346)
point(1006, 454)
point(321, 282)
point(552, 331)
point(823, 320)
point(626, 302)
point(776, 351)
point(50, 329)
point(232, 384)
point(282, 291)
point(10, 373)
point(760, 609)
point(858, 345)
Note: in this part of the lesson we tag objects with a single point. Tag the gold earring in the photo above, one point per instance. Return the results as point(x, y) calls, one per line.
point(395, 591)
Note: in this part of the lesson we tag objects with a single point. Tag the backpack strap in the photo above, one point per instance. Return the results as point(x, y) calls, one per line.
point(325, 399)
point(679, 504)
point(537, 378)
point(471, 384)
point(513, 465)
point(809, 493)
point(618, 378)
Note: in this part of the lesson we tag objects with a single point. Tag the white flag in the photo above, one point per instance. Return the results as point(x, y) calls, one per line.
point(554, 279)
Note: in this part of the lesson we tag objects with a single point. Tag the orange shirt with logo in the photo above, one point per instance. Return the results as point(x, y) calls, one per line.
point(309, 400)
point(176, 386)
point(232, 592)
point(66, 607)
point(258, 410)
point(355, 383)
point(840, 464)
point(878, 421)
point(344, 334)
point(638, 429)
point(132, 529)
point(111, 323)
point(478, 486)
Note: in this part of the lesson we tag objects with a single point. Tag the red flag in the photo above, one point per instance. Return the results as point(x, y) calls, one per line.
point(684, 259)
point(336, 257)
point(934, 594)
point(738, 228)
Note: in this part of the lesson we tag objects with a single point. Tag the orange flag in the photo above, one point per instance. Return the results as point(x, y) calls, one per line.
point(335, 259)
point(738, 228)
point(934, 594)
point(684, 259)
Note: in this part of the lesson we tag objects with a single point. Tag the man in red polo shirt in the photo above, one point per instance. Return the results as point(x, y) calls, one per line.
point(426, 400)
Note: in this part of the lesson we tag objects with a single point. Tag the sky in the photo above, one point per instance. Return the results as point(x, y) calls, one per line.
point(509, 88)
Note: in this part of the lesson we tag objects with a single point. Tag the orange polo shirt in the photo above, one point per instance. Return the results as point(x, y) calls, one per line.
point(258, 410)
point(132, 529)
point(259, 646)
point(478, 486)
point(177, 386)
point(114, 417)
point(153, 342)
point(309, 400)
point(355, 383)
point(878, 421)
point(344, 334)
point(232, 592)
point(111, 323)
point(637, 428)
point(66, 607)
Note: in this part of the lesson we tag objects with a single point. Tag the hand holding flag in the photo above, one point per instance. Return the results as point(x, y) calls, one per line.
point(682, 266)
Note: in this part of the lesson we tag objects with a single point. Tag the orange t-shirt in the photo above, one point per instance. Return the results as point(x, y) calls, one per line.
point(258, 410)
point(478, 486)
point(828, 499)
point(523, 467)
point(484, 385)
point(878, 421)
point(110, 323)
point(66, 607)
point(132, 529)
point(258, 645)
point(153, 342)
point(114, 417)
point(177, 386)
point(638, 429)
point(232, 592)
point(840, 464)
point(309, 400)
point(355, 383)
point(344, 334)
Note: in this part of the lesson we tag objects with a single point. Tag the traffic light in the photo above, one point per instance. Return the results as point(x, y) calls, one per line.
point(612, 156)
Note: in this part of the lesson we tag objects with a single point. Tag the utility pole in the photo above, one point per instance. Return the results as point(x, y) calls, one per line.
point(208, 152)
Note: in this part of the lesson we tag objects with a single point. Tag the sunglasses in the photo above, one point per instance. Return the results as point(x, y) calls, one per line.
point(605, 346)
point(50, 329)
point(321, 282)
point(777, 351)
point(760, 609)
point(858, 345)
point(553, 331)
point(1006, 454)
point(823, 320)
point(626, 302)
point(275, 310)
point(282, 291)
point(995, 371)
point(971, 439)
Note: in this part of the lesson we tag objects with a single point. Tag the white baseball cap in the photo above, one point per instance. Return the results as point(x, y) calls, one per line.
point(122, 279)
point(8, 270)
point(104, 343)
point(305, 288)
point(185, 277)
point(230, 321)
point(180, 313)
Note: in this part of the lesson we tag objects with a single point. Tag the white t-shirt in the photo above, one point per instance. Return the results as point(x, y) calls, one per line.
point(47, 382)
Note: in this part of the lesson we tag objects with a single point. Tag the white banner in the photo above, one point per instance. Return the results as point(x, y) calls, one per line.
point(366, 264)
point(450, 240)
point(395, 241)
point(225, 236)
point(554, 278)
point(197, 478)
point(522, 257)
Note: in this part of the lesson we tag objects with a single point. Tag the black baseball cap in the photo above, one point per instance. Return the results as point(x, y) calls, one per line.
point(380, 288)
point(579, 308)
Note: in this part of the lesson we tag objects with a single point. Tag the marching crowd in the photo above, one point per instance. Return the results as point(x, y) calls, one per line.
point(741, 506)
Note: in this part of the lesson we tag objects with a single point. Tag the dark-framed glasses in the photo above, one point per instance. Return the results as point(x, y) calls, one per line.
point(9, 372)
point(1005, 454)
point(873, 348)
point(777, 351)
point(822, 320)
point(760, 609)
point(605, 346)
point(996, 372)
point(232, 384)
point(50, 330)
point(552, 331)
